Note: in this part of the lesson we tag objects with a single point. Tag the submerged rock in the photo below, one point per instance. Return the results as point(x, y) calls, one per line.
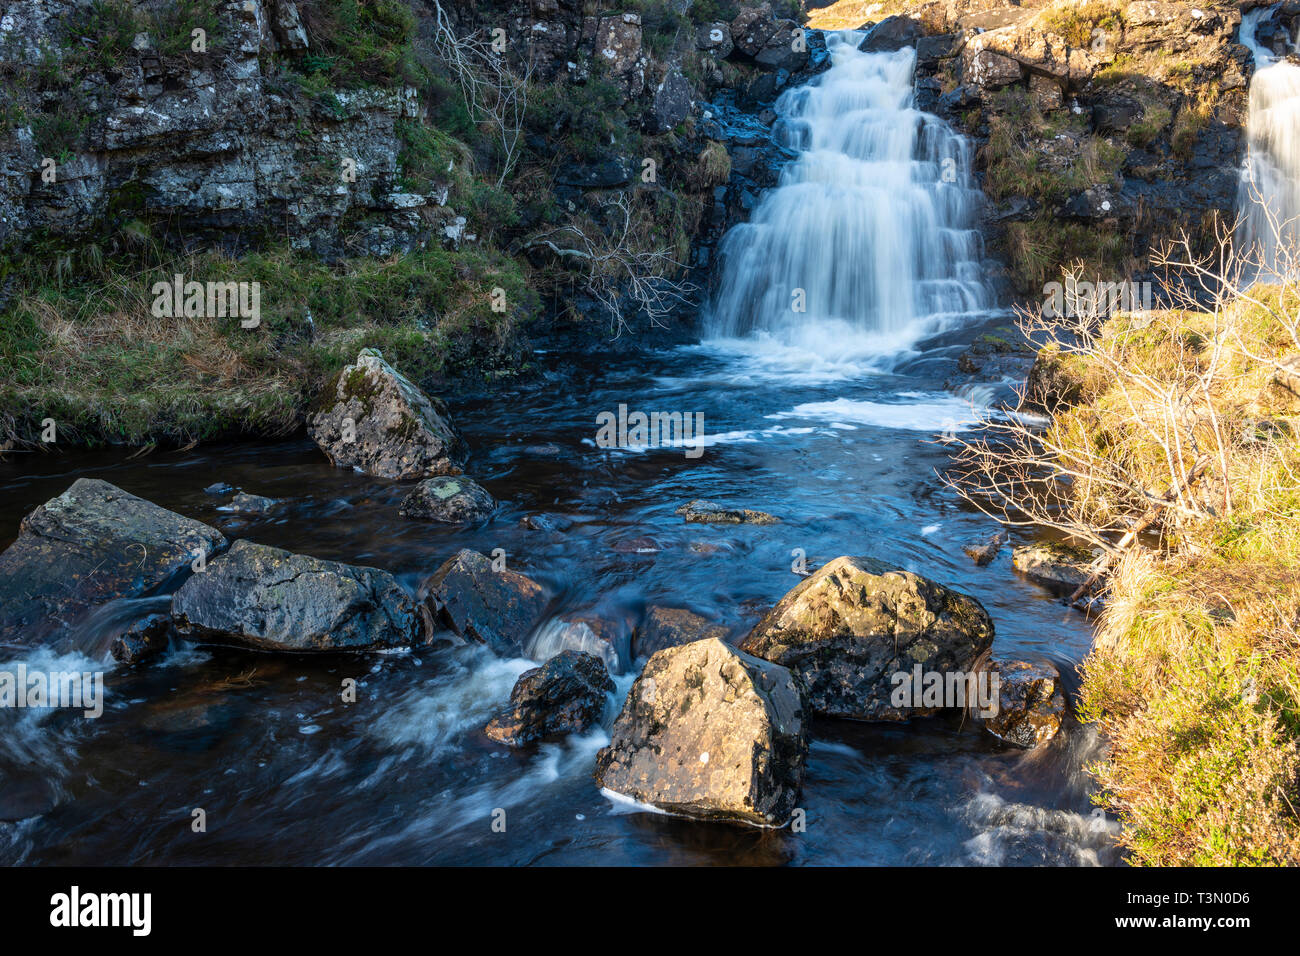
point(566, 695)
point(144, 640)
point(497, 608)
point(671, 627)
point(709, 512)
point(847, 629)
point(250, 504)
point(451, 500)
point(91, 544)
point(1058, 567)
point(982, 552)
point(710, 732)
point(372, 418)
point(546, 522)
point(1031, 704)
point(265, 598)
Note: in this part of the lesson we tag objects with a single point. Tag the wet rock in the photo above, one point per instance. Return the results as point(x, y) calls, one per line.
point(982, 552)
point(710, 732)
point(497, 608)
point(219, 489)
point(786, 48)
point(266, 598)
point(855, 622)
point(373, 419)
point(566, 695)
point(1058, 567)
point(250, 504)
point(1115, 114)
point(892, 33)
point(546, 522)
point(451, 500)
point(1031, 703)
point(91, 544)
point(144, 640)
point(672, 627)
point(709, 512)
point(637, 545)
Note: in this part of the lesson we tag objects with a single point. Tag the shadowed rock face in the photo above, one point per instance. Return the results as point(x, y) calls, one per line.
point(498, 608)
point(710, 732)
point(90, 545)
point(380, 423)
point(671, 627)
point(566, 695)
point(269, 599)
point(855, 622)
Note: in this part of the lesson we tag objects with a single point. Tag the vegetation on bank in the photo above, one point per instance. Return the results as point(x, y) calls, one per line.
point(1182, 425)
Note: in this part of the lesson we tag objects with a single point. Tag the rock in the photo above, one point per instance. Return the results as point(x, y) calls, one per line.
point(250, 504)
point(1057, 567)
point(855, 622)
point(287, 25)
point(1046, 93)
point(929, 50)
point(752, 28)
point(638, 545)
point(219, 489)
point(1098, 202)
point(714, 38)
point(546, 522)
point(708, 512)
point(989, 71)
point(672, 627)
point(566, 695)
point(673, 99)
point(892, 33)
point(451, 500)
point(603, 175)
point(1115, 114)
point(1033, 49)
point(1054, 383)
point(1031, 704)
point(91, 544)
point(373, 419)
point(497, 608)
point(710, 732)
point(144, 640)
point(982, 552)
point(618, 47)
point(266, 598)
point(786, 48)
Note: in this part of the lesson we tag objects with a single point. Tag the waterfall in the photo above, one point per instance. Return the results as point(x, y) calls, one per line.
point(1268, 195)
point(866, 244)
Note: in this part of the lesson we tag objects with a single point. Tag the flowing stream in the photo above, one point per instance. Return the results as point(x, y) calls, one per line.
point(826, 418)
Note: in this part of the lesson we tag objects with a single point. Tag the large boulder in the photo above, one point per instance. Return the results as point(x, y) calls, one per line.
point(269, 599)
point(1031, 703)
point(373, 419)
point(856, 622)
point(566, 695)
point(891, 33)
point(499, 608)
point(90, 545)
point(449, 499)
point(673, 99)
point(710, 732)
point(671, 627)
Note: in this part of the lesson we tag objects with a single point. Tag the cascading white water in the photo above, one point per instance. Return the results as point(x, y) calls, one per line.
point(870, 228)
point(1268, 196)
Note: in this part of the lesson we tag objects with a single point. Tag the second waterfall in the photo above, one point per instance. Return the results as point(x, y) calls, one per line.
point(868, 242)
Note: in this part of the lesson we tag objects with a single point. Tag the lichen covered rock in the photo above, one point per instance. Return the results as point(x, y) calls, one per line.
point(855, 622)
point(374, 419)
point(710, 732)
point(449, 499)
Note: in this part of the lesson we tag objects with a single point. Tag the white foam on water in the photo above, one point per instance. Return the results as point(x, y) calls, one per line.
point(935, 413)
